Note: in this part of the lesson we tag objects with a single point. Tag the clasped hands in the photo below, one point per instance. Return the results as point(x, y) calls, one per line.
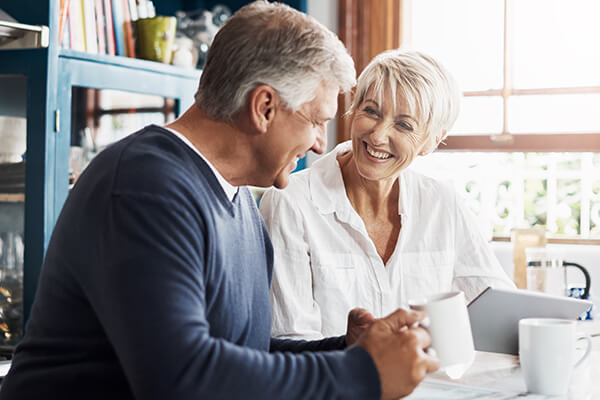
point(397, 346)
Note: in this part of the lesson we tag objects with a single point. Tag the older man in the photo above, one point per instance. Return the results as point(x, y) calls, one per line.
point(156, 279)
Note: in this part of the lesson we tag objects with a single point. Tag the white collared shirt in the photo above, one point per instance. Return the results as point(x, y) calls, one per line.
point(326, 264)
point(228, 188)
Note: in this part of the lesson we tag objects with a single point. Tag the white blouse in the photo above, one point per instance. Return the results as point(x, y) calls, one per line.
point(326, 264)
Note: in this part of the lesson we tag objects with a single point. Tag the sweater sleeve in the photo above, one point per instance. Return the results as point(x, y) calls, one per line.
point(150, 298)
point(299, 346)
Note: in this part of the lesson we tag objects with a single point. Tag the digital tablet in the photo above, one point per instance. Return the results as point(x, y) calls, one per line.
point(495, 315)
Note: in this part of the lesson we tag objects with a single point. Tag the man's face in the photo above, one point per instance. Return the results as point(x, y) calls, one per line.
point(294, 133)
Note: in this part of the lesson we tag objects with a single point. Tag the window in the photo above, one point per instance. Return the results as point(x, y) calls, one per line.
point(525, 150)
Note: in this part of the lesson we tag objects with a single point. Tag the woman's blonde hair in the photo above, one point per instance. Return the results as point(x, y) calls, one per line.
point(429, 90)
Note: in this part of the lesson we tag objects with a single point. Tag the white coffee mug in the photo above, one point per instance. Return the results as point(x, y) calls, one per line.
point(547, 354)
point(450, 329)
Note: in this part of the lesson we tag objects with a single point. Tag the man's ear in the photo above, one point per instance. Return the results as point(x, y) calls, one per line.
point(262, 104)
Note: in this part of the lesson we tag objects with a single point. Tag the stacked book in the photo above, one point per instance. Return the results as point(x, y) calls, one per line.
point(102, 26)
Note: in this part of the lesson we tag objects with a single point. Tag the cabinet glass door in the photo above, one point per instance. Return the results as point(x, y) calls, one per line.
point(12, 206)
point(101, 117)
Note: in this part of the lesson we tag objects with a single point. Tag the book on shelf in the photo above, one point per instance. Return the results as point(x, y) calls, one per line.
point(100, 26)
point(76, 31)
point(128, 30)
point(66, 37)
point(118, 19)
point(63, 12)
point(89, 26)
point(109, 28)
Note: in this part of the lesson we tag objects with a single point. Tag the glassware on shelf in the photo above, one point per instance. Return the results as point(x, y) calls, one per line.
point(11, 287)
point(221, 13)
point(201, 26)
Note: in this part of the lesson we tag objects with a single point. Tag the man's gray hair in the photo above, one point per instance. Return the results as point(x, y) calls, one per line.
point(275, 45)
point(430, 91)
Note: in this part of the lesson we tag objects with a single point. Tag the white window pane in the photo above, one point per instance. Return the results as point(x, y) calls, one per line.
point(465, 35)
point(507, 190)
point(556, 43)
point(567, 208)
point(554, 113)
point(479, 115)
point(535, 201)
point(595, 210)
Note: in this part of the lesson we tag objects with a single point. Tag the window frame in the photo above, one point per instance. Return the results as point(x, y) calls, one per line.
point(368, 28)
point(506, 141)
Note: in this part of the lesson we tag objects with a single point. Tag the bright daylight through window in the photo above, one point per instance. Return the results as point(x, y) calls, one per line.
point(525, 150)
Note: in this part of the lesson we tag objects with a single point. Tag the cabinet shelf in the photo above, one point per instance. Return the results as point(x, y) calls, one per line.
point(18, 36)
point(76, 68)
point(129, 63)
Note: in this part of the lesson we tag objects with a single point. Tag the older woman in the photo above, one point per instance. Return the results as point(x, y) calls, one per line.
point(359, 229)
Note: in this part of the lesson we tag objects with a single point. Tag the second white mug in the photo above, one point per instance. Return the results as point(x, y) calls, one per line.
point(547, 354)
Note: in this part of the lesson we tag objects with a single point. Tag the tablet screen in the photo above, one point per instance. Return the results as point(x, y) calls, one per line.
point(495, 315)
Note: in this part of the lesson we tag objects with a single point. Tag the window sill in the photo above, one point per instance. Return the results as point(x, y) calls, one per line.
point(552, 240)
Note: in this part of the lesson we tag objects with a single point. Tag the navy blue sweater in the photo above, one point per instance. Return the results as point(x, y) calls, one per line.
point(155, 286)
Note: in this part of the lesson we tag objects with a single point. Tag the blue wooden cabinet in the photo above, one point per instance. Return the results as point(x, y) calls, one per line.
point(45, 78)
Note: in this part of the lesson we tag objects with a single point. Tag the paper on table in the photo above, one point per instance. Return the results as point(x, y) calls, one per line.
point(498, 377)
point(433, 389)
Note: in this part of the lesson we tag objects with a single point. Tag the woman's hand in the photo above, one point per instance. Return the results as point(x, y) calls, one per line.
point(359, 320)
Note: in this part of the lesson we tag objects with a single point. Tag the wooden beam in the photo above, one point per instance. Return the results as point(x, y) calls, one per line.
point(367, 28)
point(547, 142)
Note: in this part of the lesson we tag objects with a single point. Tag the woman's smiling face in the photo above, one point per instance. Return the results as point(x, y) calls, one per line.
point(386, 139)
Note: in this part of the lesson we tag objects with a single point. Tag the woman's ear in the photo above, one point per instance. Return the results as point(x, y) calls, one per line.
point(433, 143)
point(440, 138)
point(262, 104)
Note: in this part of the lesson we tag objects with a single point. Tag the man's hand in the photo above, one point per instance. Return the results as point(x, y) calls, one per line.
point(359, 320)
point(399, 352)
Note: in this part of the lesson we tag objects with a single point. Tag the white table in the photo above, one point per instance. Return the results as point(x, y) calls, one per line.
point(498, 376)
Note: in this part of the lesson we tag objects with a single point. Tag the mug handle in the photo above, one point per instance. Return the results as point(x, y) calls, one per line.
point(588, 351)
point(586, 274)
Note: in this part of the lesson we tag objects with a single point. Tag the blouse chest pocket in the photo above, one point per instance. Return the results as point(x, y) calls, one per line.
point(334, 271)
point(426, 273)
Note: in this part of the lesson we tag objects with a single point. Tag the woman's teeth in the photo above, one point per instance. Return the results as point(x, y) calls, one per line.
point(378, 154)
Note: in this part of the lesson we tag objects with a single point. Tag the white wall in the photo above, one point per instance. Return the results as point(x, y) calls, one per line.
point(326, 12)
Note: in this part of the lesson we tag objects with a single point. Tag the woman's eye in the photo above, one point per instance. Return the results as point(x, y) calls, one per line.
point(370, 111)
point(404, 125)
